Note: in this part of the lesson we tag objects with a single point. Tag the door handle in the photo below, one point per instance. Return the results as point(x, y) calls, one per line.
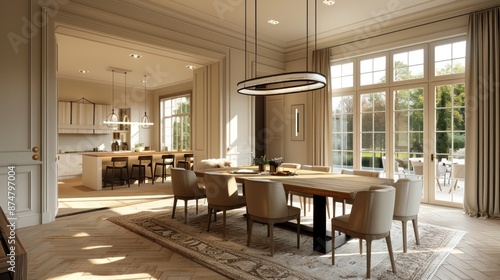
point(432, 157)
point(35, 150)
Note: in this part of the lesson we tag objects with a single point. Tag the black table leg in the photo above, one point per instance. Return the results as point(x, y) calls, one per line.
point(321, 241)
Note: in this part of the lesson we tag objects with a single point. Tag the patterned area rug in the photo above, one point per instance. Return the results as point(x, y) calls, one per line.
point(232, 258)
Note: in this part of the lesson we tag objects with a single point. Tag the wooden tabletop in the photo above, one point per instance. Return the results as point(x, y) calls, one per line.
point(124, 153)
point(342, 186)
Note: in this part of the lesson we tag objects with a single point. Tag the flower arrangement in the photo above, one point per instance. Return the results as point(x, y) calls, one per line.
point(260, 160)
point(276, 161)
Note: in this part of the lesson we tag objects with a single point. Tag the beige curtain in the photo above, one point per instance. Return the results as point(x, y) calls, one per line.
point(321, 100)
point(482, 183)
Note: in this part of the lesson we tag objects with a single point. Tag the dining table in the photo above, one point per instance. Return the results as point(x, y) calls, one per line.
point(319, 184)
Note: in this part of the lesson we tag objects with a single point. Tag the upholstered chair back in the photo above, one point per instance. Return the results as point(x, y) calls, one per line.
point(408, 196)
point(290, 166)
point(372, 210)
point(185, 183)
point(320, 168)
point(367, 173)
point(266, 199)
point(221, 189)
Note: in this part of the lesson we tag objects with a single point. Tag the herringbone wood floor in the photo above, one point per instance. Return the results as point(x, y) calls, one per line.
point(87, 246)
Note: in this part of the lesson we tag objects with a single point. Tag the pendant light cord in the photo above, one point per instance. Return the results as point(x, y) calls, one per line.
point(307, 35)
point(125, 90)
point(255, 49)
point(113, 92)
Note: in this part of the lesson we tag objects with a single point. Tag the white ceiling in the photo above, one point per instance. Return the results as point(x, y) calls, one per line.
point(95, 53)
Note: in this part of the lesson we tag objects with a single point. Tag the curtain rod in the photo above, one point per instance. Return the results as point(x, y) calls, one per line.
point(411, 27)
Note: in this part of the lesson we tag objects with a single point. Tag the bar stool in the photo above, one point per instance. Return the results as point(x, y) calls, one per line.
point(166, 160)
point(118, 163)
point(144, 161)
point(187, 163)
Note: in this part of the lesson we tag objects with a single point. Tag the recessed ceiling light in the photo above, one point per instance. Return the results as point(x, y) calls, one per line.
point(329, 2)
point(190, 67)
point(273, 21)
point(134, 55)
point(84, 71)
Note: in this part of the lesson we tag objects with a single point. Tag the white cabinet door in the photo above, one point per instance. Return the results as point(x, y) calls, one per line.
point(76, 164)
point(63, 165)
point(82, 116)
point(64, 117)
point(101, 111)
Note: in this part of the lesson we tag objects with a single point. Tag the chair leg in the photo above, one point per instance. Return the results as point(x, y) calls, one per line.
point(298, 233)
point(112, 178)
point(209, 218)
point(224, 223)
point(271, 236)
point(249, 231)
point(368, 257)
point(128, 177)
point(196, 206)
point(361, 246)
point(391, 254)
point(328, 207)
point(152, 174)
point(439, 184)
point(173, 210)
point(415, 229)
point(403, 225)
point(333, 245)
point(163, 167)
point(185, 211)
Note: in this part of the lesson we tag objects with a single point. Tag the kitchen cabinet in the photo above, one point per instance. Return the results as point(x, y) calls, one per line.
point(100, 114)
point(64, 117)
point(82, 118)
point(69, 165)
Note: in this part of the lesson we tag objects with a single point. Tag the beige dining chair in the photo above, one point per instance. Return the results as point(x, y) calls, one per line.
point(359, 172)
point(370, 219)
point(290, 166)
point(185, 187)
point(407, 205)
point(304, 198)
point(366, 173)
point(266, 203)
point(222, 195)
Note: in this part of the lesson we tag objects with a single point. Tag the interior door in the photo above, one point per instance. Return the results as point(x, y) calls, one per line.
point(20, 111)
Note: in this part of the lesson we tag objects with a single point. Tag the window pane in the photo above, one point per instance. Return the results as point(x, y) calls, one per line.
point(379, 141)
point(416, 142)
point(408, 65)
point(342, 75)
point(379, 121)
point(349, 143)
point(367, 122)
point(449, 59)
point(373, 71)
point(400, 123)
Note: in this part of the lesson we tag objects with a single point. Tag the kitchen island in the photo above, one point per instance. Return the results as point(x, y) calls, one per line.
point(94, 164)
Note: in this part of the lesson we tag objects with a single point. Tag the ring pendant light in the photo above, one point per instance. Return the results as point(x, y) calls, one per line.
point(284, 83)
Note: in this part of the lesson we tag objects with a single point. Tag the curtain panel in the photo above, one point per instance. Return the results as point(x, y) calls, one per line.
point(321, 100)
point(482, 181)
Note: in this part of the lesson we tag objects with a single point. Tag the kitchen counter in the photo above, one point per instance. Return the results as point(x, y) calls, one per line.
point(129, 153)
point(94, 163)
